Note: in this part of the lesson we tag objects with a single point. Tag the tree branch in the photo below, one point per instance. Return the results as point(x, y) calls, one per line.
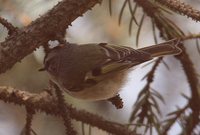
point(184, 58)
point(192, 79)
point(181, 8)
point(9, 26)
point(64, 112)
point(44, 102)
point(29, 118)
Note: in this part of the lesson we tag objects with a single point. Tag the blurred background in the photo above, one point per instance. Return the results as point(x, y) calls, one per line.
point(95, 26)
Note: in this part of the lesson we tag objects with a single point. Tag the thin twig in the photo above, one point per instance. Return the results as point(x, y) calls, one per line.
point(182, 8)
point(29, 118)
point(8, 25)
point(44, 102)
point(64, 110)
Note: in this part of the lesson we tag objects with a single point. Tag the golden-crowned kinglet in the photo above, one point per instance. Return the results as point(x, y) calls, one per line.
point(98, 71)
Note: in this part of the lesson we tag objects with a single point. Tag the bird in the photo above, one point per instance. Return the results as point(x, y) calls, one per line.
point(97, 71)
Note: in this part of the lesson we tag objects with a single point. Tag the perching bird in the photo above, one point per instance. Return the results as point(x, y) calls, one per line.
point(98, 71)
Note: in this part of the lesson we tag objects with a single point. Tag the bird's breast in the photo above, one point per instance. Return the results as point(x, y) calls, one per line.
point(103, 90)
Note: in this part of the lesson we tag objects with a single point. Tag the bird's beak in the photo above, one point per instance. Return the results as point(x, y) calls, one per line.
point(42, 69)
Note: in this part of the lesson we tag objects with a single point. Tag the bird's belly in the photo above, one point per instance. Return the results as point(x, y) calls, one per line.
point(103, 90)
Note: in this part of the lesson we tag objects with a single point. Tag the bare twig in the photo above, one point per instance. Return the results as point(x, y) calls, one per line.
point(192, 79)
point(150, 75)
point(43, 102)
point(182, 8)
point(64, 111)
point(29, 118)
point(8, 25)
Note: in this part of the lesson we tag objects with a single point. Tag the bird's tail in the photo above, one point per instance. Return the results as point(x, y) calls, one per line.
point(166, 48)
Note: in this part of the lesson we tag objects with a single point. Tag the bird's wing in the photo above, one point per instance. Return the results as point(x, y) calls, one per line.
point(120, 57)
point(123, 53)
